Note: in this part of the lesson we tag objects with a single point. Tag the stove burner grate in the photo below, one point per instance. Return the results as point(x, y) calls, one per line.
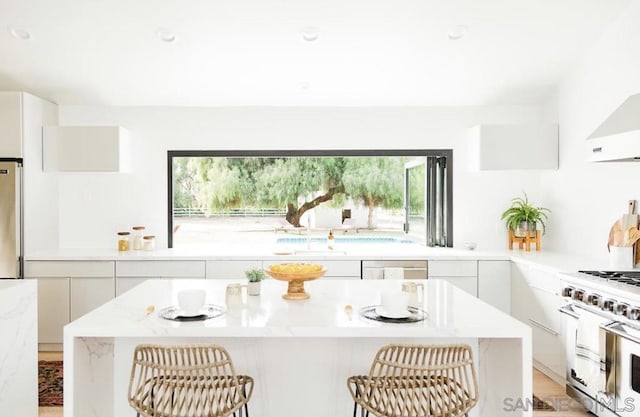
point(623, 277)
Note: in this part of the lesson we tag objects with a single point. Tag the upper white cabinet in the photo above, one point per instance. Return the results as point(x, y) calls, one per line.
point(617, 139)
point(11, 125)
point(516, 146)
point(86, 149)
point(21, 118)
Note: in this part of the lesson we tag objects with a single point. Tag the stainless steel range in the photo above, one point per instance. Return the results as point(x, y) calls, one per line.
point(603, 340)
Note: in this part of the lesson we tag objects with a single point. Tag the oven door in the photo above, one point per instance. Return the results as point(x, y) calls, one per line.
point(598, 400)
point(627, 369)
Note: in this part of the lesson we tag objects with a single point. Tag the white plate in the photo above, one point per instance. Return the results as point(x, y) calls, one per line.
point(398, 315)
point(185, 313)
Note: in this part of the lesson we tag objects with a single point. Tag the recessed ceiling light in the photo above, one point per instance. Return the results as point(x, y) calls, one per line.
point(457, 32)
point(19, 33)
point(165, 35)
point(310, 33)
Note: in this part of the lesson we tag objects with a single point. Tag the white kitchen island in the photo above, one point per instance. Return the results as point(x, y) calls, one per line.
point(18, 348)
point(300, 353)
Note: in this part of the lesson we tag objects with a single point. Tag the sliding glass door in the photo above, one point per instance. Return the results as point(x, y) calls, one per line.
point(426, 200)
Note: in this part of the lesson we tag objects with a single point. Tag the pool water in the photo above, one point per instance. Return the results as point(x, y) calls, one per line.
point(343, 239)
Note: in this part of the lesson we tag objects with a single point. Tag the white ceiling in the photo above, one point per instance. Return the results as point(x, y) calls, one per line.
point(251, 52)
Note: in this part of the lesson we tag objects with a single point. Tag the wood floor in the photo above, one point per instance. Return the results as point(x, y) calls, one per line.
point(548, 390)
point(543, 387)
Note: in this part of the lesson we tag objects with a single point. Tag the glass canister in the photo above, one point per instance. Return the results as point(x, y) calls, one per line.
point(123, 241)
point(149, 243)
point(138, 232)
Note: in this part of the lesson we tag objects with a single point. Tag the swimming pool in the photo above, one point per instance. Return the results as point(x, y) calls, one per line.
point(344, 239)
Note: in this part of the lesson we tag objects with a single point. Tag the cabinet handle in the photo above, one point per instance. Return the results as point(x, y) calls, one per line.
point(543, 327)
point(597, 150)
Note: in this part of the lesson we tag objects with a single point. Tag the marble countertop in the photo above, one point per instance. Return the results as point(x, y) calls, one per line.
point(550, 260)
point(451, 313)
point(271, 252)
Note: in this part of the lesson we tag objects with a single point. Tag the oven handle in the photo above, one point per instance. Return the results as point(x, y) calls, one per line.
point(568, 310)
point(617, 328)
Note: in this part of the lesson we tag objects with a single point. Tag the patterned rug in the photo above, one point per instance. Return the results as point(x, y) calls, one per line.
point(540, 405)
point(50, 383)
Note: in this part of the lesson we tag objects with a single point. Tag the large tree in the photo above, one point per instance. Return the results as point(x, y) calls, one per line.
point(376, 181)
point(297, 183)
point(185, 183)
point(300, 184)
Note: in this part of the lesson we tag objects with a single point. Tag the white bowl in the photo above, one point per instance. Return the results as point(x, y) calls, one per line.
point(469, 245)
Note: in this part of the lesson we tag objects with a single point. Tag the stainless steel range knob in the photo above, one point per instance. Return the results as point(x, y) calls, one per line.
point(567, 291)
point(609, 305)
point(634, 314)
point(578, 294)
point(593, 299)
point(622, 309)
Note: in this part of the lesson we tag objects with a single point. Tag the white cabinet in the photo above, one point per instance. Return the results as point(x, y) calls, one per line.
point(67, 290)
point(89, 293)
point(494, 284)
point(536, 298)
point(86, 149)
point(11, 125)
point(462, 274)
point(513, 146)
point(53, 310)
point(131, 273)
point(230, 269)
point(340, 269)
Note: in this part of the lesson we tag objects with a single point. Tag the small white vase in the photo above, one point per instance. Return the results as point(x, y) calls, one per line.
point(253, 288)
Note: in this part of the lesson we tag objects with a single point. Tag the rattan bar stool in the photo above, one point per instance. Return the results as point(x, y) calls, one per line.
point(187, 381)
point(417, 381)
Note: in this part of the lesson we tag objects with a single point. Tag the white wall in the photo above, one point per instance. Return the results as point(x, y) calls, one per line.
point(587, 198)
point(94, 206)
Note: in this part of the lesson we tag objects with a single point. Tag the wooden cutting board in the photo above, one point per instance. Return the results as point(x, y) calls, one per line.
point(616, 234)
point(630, 219)
point(620, 226)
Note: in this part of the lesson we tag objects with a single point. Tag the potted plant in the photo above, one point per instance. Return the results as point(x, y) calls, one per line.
point(523, 216)
point(254, 275)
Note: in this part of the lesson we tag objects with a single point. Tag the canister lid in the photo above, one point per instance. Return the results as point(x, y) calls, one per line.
point(138, 227)
point(148, 237)
point(123, 233)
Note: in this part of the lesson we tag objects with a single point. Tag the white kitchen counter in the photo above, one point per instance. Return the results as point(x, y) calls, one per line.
point(299, 352)
point(266, 252)
point(554, 261)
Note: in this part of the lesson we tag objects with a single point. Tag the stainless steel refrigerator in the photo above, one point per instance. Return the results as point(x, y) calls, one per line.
point(11, 226)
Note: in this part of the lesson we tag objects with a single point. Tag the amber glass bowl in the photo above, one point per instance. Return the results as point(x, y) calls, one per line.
point(296, 279)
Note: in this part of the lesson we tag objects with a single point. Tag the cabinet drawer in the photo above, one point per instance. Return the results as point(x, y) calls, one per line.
point(341, 268)
point(548, 349)
point(85, 269)
point(166, 269)
point(537, 277)
point(230, 269)
point(453, 268)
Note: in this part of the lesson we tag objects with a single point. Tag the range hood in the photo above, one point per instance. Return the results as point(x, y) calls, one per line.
point(617, 139)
